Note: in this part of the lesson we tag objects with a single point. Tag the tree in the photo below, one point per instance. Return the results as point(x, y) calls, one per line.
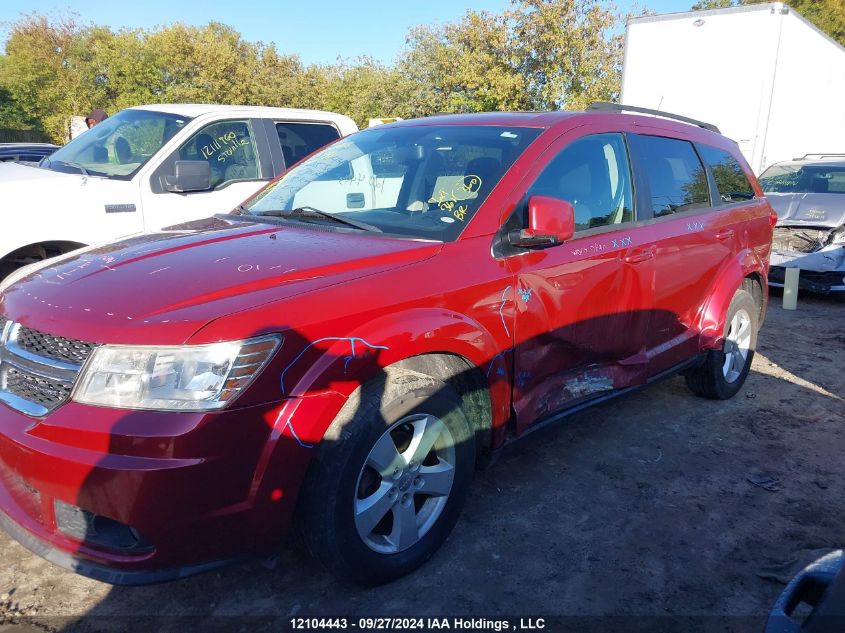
point(537, 55)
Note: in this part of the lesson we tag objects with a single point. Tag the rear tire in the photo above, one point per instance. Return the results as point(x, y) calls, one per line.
point(389, 480)
point(723, 372)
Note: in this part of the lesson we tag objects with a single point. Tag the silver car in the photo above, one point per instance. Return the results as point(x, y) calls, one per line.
point(808, 195)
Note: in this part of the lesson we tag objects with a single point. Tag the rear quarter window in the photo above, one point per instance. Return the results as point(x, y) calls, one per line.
point(731, 181)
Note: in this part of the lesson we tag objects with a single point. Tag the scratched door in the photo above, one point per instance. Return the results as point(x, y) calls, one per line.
point(583, 308)
point(692, 243)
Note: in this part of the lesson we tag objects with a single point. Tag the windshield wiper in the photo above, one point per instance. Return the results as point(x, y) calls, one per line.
point(77, 165)
point(317, 213)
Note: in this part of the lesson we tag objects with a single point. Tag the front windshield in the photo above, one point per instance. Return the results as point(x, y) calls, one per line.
point(424, 181)
point(117, 147)
point(803, 179)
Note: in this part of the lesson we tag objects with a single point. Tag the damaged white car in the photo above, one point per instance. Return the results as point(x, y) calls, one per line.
point(808, 195)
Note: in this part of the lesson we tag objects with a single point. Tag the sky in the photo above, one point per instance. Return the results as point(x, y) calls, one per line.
point(319, 31)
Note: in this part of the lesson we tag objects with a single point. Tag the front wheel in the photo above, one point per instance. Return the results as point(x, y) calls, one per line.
point(390, 479)
point(723, 372)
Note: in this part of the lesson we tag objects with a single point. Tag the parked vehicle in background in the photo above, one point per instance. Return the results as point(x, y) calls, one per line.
point(30, 153)
point(782, 101)
point(148, 167)
point(808, 195)
point(357, 338)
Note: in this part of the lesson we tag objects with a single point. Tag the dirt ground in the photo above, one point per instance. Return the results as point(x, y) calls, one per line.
point(645, 507)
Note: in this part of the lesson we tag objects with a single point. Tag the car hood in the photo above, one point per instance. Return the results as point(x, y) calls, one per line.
point(23, 175)
point(160, 288)
point(809, 209)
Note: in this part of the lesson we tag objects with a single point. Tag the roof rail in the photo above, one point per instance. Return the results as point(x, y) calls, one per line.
point(831, 155)
point(606, 106)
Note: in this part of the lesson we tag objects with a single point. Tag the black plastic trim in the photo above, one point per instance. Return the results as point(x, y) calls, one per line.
point(104, 573)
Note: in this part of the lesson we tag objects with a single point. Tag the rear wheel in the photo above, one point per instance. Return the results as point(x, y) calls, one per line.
point(381, 498)
point(723, 372)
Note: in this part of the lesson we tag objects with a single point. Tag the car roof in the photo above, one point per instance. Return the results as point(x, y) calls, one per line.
point(548, 119)
point(197, 109)
point(815, 162)
point(15, 146)
point(516, 119)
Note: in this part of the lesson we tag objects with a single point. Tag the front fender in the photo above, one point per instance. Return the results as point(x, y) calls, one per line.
point(341, 364)
point(711, 320)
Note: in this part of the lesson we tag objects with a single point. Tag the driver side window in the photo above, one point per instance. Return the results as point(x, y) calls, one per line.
point(593, 174)
point(229, 149)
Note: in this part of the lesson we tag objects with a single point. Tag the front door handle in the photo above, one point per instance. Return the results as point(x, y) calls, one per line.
point(639, 256)
point(725, 234)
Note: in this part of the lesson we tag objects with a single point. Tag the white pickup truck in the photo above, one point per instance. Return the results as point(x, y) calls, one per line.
point(149, 167)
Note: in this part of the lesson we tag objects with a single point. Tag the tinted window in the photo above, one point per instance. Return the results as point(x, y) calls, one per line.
point(423, 181)
point(731, 181)
point(594, 176)
point(300, 139)
point(229, 149)
point(803, 179)
point(675, 175)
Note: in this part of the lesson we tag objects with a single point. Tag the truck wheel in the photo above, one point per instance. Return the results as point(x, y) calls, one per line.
point(723, 372)
point(389, 480)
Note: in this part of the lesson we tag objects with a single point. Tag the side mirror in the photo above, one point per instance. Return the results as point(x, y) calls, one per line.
point(190, 175)
point(551, 221)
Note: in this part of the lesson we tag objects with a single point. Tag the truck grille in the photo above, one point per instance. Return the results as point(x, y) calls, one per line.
point(798, 239)
point(38, 370)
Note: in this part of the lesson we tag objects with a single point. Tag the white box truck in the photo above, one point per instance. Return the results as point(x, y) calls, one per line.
point(763, 74)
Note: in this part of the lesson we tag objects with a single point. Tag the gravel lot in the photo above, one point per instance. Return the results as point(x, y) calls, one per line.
point(646, 506)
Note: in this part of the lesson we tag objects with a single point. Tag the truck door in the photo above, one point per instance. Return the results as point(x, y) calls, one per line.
point(582, 308)
point(240, 165)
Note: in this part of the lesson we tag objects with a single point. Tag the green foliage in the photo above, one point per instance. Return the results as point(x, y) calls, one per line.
point(538, 54)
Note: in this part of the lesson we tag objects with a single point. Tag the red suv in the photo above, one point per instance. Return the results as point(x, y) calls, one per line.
point(346, 347)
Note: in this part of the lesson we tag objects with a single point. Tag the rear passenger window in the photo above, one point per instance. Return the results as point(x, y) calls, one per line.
point(593, 175)
point(675, 175)
point(731, 181)
point(300, 139)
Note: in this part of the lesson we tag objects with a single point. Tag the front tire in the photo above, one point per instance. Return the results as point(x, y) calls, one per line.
point(389, 480)
point(723, 372)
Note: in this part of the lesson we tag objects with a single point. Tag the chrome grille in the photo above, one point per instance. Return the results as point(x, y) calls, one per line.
point(43, 391)
point(55, 347)
point(38, 370)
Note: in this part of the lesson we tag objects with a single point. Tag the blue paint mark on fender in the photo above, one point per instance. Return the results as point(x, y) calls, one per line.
point(502, 307)
point(525, 293)
point(288, 425)
point(352, 340)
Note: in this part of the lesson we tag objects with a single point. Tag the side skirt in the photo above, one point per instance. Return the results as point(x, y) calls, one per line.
point(558, 417)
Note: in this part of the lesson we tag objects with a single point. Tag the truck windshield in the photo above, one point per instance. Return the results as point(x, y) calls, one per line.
point(117, 147)
point(803, 179)
point(424, 181)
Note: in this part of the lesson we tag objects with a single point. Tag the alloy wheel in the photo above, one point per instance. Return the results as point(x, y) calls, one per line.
point(405, 483)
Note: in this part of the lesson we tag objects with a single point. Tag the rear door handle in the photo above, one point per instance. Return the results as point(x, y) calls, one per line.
point(725, 234)
point(639, 256)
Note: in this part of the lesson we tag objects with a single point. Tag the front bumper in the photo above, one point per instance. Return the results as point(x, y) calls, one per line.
point(198, 489)
point(814, 281)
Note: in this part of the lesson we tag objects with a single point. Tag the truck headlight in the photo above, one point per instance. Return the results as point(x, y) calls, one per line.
point(184, 378)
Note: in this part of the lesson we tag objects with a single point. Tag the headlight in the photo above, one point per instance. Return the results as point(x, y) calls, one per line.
point(185, 378)
point(838, 236)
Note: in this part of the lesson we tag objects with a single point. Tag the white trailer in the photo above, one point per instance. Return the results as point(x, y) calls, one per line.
point(763, 74)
